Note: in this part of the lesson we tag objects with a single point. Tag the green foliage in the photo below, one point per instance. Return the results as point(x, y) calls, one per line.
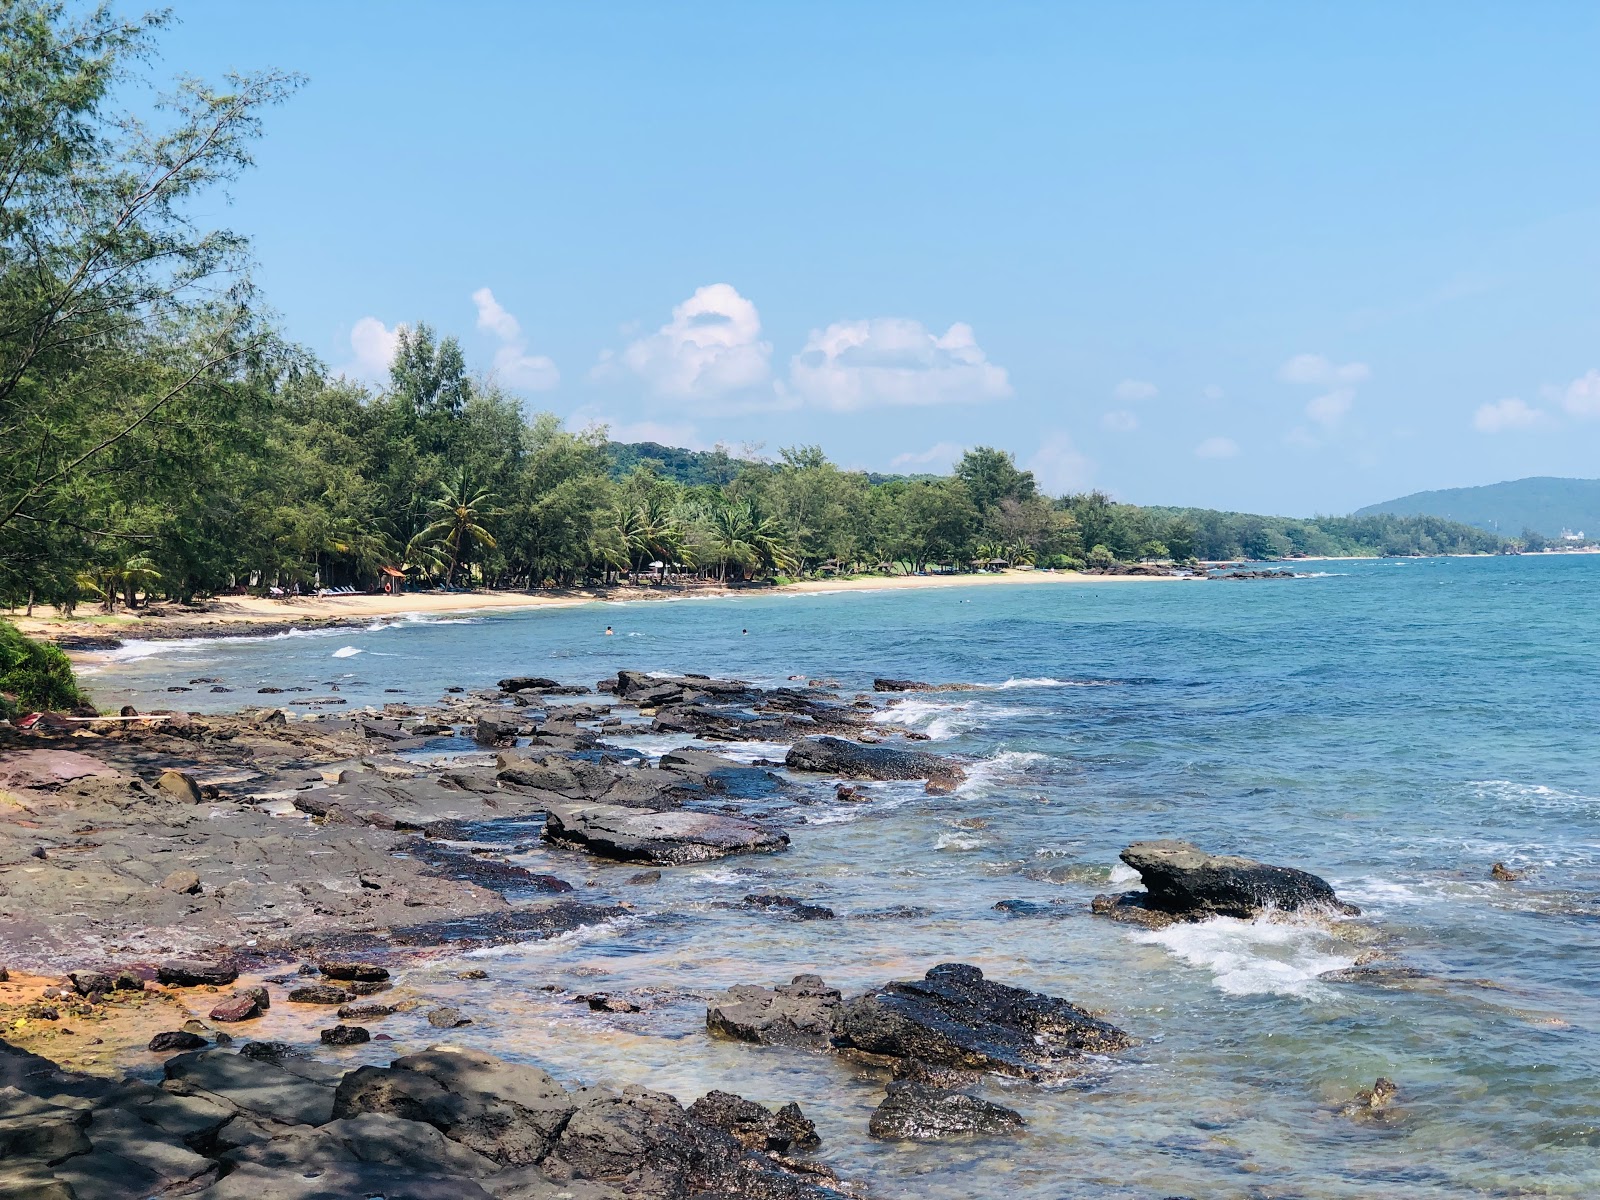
point(34, 675)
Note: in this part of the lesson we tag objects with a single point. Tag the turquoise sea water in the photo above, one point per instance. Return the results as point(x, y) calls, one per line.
point(1395, 726)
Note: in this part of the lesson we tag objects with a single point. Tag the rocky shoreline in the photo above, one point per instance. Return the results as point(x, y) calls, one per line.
point(198, 872)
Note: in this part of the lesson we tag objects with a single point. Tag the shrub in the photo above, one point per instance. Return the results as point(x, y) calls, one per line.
point(34, 675)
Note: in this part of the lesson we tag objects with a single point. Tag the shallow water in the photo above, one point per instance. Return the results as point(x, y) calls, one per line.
point(1396, 726)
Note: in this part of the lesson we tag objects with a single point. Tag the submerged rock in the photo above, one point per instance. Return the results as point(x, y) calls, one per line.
point(836, 756)
point(1184, 883)
point(1369, 1102)
point(955, 1017)
point(791, 907)
point(918, 1112)
point(632, 835)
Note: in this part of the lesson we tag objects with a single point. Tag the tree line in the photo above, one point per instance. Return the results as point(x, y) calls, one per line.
point(160, 437)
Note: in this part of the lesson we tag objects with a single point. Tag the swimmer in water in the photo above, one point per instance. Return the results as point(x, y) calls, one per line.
point(744, 632)
point(608, 632)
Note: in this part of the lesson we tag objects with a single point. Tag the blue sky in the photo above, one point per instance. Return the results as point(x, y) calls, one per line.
point(1288, 258)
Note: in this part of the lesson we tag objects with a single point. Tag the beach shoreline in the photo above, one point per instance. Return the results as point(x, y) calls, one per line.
point(248, 616)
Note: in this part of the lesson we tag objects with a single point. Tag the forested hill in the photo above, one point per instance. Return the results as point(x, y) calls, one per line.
point(692, 468)
point(1544, 504)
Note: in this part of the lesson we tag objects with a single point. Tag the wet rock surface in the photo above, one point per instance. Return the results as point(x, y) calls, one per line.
point(915, 1111)
point(836, 756)
point(1184, 883)
point(955, 1017)
point(628, 835)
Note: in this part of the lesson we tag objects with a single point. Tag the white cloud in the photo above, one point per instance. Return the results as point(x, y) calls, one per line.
point(1319, 371)
point(513, 365)
point(1328, 410)
point(516, 368)
point(493, 318)
point(1212, 392)
point(1135, 389)
point(373, 344)
point(1217, 447)
point(896, 362)
point(944, 454)
point(712, 346)
point(1507, 414)
point(1059, 466)
point(1582, 397)
point(1119, 421)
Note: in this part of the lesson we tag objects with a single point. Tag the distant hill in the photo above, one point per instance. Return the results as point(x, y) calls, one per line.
point(693, 468)
point(1545, 504)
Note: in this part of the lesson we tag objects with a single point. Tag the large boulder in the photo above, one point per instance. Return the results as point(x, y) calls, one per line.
point(851, 760)
point(635, 835)
point(918, 1112)
point(1184, 883)
point(805, 1012)
point(955, 1017)
point(289, 1090)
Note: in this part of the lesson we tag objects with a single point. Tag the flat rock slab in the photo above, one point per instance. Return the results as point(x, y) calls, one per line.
point(1184, 883)
point(851, 760)
point(293, 1091)
point(955, 1017)
point(48, 768)
point(630, 835)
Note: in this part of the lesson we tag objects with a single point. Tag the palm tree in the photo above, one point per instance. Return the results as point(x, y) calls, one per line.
point(462, 509)
point(127, 577)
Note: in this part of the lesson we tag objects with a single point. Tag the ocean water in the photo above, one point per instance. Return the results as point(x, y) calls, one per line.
point(1395, 726)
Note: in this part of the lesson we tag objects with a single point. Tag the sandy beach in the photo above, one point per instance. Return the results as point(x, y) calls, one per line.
point(232, 615)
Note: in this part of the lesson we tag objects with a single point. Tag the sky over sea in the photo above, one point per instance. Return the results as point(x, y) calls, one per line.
point(1284, 258)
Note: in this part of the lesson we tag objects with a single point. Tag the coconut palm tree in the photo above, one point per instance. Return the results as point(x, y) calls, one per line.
point(462, 510)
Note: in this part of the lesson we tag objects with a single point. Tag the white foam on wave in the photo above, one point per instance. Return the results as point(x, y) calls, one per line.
point(1122, 873)
point(959, 842)
point(347, 652)
point(1529, 795)
point(1261, 957)
point(1045, 681)
point(1000, 769)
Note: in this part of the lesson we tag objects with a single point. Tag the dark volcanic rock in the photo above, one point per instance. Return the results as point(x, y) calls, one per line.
point(789, 906)
point(913, 685)
point(755, 1126)
point(527, 683)
point(480, 929)
point(345, 1035)
point(320, 993)
point(835, 756)
point(956, 1017)
point(362, 972)
point(631, 835)
point(197, 973)
point(805, 1012)
point(917, 1112)
point(1183, 882)
point(176, 1039)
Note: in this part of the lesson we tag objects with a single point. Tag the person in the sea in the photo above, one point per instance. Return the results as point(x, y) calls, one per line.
point(608, 632)
point(744, 632)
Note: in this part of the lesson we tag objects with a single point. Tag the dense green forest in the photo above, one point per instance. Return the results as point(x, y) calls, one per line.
point(160, 437)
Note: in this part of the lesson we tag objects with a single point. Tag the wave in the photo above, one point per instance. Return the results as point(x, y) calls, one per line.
point(1268, 956)
point(1000, 769)
point(347, 652)
point(1501, 792)
point(1045, 681)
